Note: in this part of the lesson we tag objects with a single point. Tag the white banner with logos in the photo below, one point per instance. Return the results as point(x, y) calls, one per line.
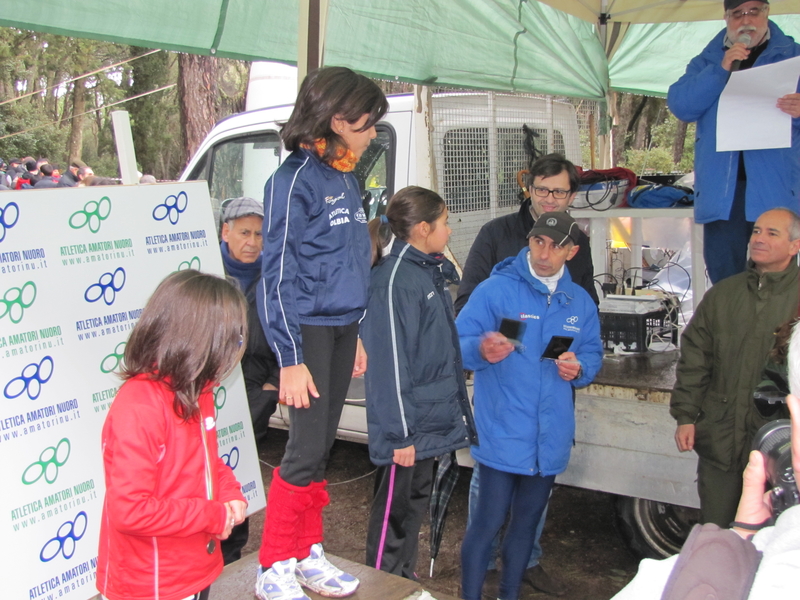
point(76, 268)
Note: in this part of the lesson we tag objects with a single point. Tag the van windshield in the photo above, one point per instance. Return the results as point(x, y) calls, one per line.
point(241, 166)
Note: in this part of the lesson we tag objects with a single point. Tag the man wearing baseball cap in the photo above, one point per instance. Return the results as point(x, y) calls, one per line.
point(733, 188)
point(241, 255)
point(523, 393)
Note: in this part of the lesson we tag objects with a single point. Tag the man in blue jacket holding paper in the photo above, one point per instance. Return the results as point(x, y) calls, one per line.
point(733, 188)
point(523, 392)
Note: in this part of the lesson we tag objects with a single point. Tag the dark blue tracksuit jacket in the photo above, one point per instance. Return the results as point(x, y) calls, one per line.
point(317, 253)
point(415, 384)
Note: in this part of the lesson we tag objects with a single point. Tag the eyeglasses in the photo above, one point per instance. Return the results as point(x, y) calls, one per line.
point(737, 15)
point(544, 192)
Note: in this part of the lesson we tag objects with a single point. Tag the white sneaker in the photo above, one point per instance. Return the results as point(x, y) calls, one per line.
point(318, 574)
point(279, 582)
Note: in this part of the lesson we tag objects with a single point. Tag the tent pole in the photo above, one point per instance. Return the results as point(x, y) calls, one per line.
point(313, 16)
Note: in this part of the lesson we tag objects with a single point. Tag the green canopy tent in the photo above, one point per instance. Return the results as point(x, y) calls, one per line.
point(517, 45)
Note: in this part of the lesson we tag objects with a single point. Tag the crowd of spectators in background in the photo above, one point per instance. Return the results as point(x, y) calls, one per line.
point(28, 173)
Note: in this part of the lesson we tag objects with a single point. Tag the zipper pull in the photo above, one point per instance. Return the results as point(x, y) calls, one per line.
point(347, 183)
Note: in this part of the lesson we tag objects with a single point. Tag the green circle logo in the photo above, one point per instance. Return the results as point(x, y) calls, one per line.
point(193, 263)
point(50, 460)
point(93, 214)
point(220, 397)
point(16, 300)
point(112, 361)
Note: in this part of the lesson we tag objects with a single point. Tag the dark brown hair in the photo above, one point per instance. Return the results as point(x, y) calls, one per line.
point(192, 332)
point(551, 165)
point(409, 206)
point(326, 93)
point(780, 350)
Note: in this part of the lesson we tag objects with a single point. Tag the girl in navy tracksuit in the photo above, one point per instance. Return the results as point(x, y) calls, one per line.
point(315, 274)
point(417, 404)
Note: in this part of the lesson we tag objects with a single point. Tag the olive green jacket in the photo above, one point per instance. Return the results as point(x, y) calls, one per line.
point(723, 351)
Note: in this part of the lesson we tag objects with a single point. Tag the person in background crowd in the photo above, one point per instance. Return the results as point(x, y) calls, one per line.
point(722, 352)
point(77, 171)
point(242, 219)
point(313, 294)
point(47, 180)
point(14, 170)
point(733, 188)
point(29, 177)
point(5, 180)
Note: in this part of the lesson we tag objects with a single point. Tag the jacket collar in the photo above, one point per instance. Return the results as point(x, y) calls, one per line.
point(327, 171)
point(525, 215)
point(413, 255)
point(776, 282)
point(516, 267)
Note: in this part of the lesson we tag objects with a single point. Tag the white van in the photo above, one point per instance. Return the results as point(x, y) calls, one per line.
point(476, 139)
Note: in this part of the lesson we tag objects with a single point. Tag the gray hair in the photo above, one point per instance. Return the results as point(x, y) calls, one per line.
point(794, 224)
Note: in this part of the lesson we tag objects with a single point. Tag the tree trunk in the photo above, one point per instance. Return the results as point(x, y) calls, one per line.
point(197, 97)
point(75, 143)
point(679, 142)
point(635, 133)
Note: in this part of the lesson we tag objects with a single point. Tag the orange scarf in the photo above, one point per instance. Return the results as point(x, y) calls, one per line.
point(345, 160)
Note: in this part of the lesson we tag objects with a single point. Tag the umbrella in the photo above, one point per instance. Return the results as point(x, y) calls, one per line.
point(443, 484)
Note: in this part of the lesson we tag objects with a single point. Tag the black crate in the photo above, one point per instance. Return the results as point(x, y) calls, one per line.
point(634, 332)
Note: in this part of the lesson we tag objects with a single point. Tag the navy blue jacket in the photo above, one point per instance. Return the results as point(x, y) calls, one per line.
point(416, 394)
point(316, 255)
point(523, 409)
point(773, 175)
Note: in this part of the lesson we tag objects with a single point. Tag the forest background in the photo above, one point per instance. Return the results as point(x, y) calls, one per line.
point(57, 94)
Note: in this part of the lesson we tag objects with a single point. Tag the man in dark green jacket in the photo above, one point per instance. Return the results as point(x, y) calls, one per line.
point(723, 351)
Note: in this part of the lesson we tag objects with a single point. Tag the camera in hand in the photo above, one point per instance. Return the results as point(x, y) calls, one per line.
point(773, 440)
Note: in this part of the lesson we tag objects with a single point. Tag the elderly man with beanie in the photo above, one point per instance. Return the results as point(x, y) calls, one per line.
point(733, 188)
point(241, 256)
point(523, 392)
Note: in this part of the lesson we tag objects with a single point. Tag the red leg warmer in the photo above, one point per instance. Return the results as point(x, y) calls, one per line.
point(286, 506)
point(311, 521)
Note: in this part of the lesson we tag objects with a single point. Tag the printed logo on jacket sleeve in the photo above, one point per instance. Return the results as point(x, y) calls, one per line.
point(570, 325)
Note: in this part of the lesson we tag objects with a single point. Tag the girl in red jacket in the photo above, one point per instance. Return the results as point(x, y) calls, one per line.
point(169, 497)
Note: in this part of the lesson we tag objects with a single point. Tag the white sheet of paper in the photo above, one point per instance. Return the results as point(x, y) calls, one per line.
point(747, 118)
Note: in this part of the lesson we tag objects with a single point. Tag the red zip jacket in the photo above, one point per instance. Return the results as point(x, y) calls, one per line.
point(157, 521)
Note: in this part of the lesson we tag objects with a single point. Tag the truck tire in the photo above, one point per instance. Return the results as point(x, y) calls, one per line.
point(653, 529)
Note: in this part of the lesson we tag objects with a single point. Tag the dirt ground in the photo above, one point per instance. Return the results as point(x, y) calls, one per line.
point(581, 545)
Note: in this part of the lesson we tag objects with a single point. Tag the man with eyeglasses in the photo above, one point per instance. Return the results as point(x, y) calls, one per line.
point(733, 188)
point(552, 182)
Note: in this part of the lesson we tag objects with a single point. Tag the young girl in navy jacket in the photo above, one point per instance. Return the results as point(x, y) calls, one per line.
point(417, 404)
point(169, 498)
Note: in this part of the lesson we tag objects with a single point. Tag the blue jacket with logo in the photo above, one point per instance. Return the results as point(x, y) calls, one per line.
point(416, 394)
point(317, 252)
point(773, 175)
point(523, 409)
